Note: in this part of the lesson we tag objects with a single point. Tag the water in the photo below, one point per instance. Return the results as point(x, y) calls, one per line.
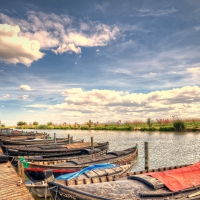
point(165, 149)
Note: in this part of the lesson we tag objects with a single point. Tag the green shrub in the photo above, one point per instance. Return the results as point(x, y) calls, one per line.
point(143, 129)
point(179, 125)
point(152, 129)
point(100, 128)
point(166, 128)
point(42, 126)
point(84, 127)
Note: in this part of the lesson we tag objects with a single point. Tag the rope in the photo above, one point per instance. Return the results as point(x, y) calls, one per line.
point(56, 190)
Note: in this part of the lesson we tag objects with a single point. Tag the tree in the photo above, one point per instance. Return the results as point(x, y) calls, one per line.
point(24, 123)
point(49, 123)
point(149, 122)
point(35, 123)
point(90, 123)
point(21, 123)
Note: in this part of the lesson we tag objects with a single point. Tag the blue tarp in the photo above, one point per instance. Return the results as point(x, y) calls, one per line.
point(76, 174)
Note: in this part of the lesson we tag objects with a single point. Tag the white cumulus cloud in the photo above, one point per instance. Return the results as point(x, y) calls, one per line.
point(17, 49)
point(25, 87)
point(6, 96)
point(61, 31)
point(23, 97)
point(67, 48)
point(110, 105)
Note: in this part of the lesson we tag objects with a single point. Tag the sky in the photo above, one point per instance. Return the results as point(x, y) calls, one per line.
point(100, 60)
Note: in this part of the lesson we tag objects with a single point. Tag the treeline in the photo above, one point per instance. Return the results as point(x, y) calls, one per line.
point(175, 124)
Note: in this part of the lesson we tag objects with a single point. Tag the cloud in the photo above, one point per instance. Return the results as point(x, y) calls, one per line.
point(158, 13)
point(194, 69)
point(6, 96)
point(17, 49)
point(23, 97)
point(25, 87)
point(67, 48)
point(105, 104)
point(2, 106)
point(197, 28)
point(31, 111)
point(77, 96)
point(62, 32)
point(38, 106)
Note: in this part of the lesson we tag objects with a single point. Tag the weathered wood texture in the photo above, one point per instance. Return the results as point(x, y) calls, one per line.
point(9, 187)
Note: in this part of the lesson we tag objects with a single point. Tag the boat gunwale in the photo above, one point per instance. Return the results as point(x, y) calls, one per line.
point(117, 160)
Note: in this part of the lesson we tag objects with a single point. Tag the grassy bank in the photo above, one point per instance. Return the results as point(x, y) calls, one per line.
point(149, 125)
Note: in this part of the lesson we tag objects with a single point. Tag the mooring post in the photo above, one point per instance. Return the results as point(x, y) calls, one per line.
point(92, 143)
point(146, 151)
point(19, 168)
point(68, 138)
point(54, 137)
point(22, 173)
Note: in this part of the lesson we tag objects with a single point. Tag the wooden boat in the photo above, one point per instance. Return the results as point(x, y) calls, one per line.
point(42, 159)
point(10, 133)
point(3, 158)
point(5, 130)
point(134, 185)
point(21, 137)
point(41, 188)
point(52, 150)
point(52, 145)
point(35, 171)
point(31, 141)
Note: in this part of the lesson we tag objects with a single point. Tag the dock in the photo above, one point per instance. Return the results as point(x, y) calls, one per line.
point(10, 186)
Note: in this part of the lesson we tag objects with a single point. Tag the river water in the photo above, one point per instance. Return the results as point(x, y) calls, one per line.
point(165, 148)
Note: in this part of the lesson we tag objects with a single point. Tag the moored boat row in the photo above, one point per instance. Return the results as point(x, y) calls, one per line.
point(40, 156)
point(35, 170)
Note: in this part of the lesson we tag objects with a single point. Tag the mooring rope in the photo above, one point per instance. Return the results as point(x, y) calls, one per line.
point(56, 190)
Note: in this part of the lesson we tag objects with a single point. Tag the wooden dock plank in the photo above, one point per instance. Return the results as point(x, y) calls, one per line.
point(9, 188)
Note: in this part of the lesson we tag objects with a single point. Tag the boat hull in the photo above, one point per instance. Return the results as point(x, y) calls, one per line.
point(37, 173)
point(44, 150)
point(137, 185)
point(40, 188)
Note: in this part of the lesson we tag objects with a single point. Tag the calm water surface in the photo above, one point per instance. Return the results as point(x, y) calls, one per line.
point(165, 149)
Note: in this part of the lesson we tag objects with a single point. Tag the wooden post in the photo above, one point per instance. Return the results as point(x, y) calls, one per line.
point(19, 168)
point(146, 151)
point(22, 173)
point(68, 138)
point(54, 137)
point(92, 143)
point(46, 188)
